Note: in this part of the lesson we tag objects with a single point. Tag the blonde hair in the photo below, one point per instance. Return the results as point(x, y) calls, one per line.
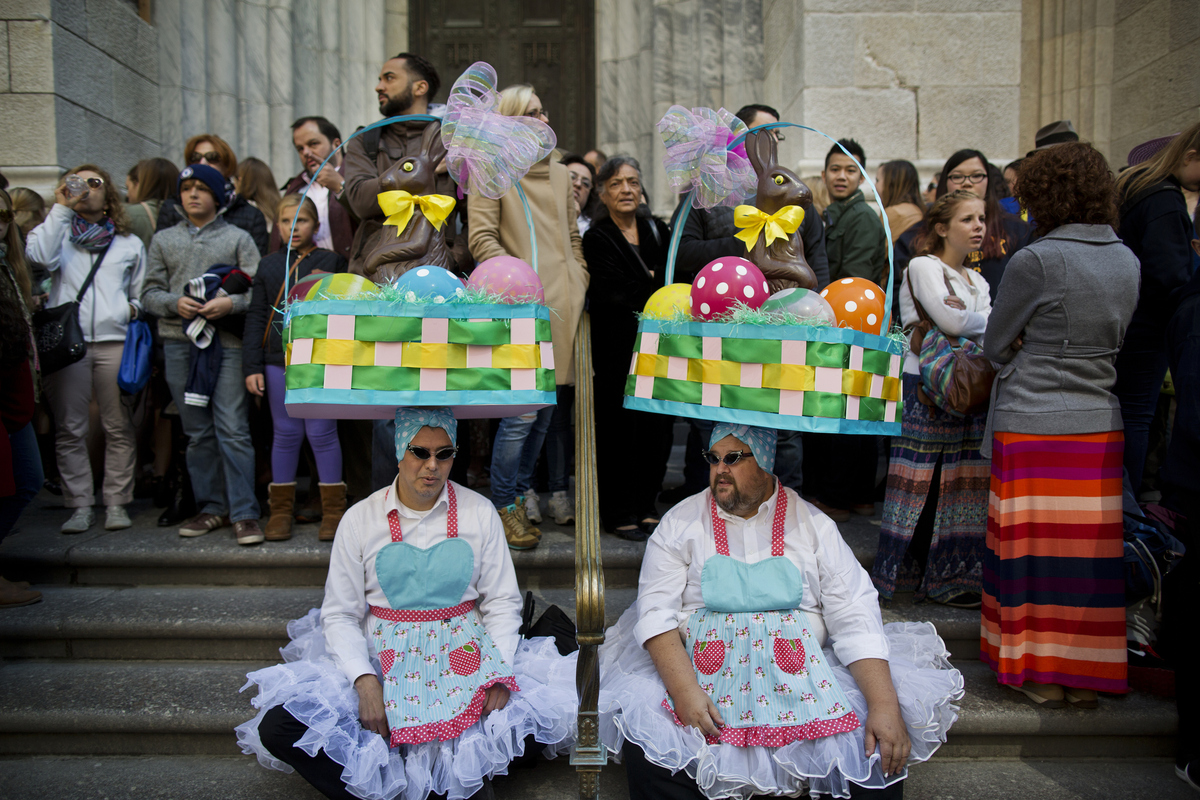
point(820, 193)
point(28, 207)
point(515, 99)
point(1160, 165)
point(256, 182)
point(290, 201)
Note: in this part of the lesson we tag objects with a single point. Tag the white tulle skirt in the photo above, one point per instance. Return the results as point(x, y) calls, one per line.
point(631, 695)
point(313, 690)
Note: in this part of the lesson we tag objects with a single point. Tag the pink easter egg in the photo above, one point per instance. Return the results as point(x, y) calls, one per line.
point(725, 282)
point(511, 278)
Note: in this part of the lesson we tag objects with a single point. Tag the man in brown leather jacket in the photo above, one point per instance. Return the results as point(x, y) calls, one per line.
point(407, 84)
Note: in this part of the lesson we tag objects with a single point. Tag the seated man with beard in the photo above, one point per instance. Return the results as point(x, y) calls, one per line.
point(755, 660)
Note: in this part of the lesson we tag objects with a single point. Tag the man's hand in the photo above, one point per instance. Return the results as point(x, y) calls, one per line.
point(255, 384)
point(370, 705)
point(696, 710)
point(885, 728)
point(216, 308)
point(496, 698)
point(330, 178)
point(188, 308)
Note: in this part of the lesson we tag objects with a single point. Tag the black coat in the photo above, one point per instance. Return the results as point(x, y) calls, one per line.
point(238, 213)
point(1156, 227)
point(709, 235)
point(267, 283)
point(619, 286)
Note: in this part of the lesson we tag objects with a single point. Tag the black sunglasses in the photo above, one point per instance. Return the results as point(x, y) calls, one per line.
point(211, 156)
point(729, 458)
point(423, 453)
point(6, 215)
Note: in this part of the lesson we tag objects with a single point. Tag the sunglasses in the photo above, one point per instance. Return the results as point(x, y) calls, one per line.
point(729, 459)
point(6, 215)
point(212, 157)
point(92, 182)
point(423, 453)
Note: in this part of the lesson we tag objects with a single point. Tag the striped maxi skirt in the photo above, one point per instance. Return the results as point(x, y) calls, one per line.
point(1053, 584)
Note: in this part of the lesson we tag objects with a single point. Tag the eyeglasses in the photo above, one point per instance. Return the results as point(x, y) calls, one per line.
point(579, 180)
point(442, 454)
point(6, 215)
point(978, 177)
point(537, 113)
point(211, 156)
point(729, 459)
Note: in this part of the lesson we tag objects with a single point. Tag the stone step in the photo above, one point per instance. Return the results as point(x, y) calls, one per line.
point(190, 708)
point(250, 622)
point(240, 778)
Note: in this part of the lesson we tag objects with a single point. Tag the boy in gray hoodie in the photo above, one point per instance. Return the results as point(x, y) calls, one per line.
point(220, 455)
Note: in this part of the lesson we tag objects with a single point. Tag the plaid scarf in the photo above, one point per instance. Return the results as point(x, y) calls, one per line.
point(92, 236)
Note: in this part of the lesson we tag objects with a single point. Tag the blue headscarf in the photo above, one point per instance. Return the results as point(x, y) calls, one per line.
point(761, 441)
point(410, 420)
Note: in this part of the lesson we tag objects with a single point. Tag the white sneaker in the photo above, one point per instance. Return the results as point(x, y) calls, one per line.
point(561, 507)
point(80, 521)
point(533, 508)
point(116, 518)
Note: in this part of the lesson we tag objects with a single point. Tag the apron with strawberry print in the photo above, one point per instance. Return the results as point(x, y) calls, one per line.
point(436, 657)
point(753, 653)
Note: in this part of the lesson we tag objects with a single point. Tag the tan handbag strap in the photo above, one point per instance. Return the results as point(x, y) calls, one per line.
point(279, 296)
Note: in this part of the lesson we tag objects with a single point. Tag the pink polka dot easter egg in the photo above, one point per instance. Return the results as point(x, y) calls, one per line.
point(723, 283)
point(857, 303)
point(511, 278)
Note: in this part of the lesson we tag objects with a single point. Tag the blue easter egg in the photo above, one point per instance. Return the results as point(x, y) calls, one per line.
point(430, 284)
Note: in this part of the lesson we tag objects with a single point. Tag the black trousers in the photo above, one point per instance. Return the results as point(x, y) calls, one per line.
point(839, 468)
point(651, 782)
point(280, 731)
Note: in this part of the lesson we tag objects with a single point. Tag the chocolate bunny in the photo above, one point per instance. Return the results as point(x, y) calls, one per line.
point(419, 244)
point(782, 262)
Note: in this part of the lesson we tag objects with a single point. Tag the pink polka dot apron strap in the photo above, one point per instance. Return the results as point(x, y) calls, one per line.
point(393, 517)
point(778, 525)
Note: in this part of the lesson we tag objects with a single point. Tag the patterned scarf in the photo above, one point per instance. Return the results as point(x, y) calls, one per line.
point(92, 236)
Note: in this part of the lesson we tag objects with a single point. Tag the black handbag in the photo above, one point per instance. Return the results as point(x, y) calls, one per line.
point(57, 332)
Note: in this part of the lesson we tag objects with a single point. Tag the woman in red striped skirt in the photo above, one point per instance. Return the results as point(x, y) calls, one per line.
point(1053, 590)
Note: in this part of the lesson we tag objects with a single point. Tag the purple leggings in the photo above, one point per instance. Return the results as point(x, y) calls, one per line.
point(290, 433)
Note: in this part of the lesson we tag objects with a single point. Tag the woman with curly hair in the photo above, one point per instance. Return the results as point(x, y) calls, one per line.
point(86, 232)
point(1053, 589)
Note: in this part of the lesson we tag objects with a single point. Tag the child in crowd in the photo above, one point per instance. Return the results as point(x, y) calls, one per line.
point(263, 363)
point(220, 456)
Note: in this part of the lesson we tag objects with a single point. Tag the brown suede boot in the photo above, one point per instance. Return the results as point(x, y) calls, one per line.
point(333, 505)
point(282, 503)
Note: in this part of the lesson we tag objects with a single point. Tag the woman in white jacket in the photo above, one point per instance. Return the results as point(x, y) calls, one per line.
point(79, 232)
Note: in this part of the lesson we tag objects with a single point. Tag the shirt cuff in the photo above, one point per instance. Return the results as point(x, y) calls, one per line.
point(354, 668)
point(654, 624)
point(849, 649)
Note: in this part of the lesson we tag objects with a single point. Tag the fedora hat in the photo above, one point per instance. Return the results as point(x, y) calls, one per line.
point(1052, 134)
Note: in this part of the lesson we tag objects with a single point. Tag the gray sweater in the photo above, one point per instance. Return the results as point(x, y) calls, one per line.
point(182, 252)
point(1070, 296)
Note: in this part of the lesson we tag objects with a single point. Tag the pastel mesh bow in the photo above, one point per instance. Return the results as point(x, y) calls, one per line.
point(698, 157)
point(487, 152)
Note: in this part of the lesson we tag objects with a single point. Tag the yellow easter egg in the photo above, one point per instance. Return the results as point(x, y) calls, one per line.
point(342, 284)
point(668, 301)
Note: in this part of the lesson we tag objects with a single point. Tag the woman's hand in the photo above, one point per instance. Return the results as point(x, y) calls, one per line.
point(370, 705)
point(216, 308)
point(132, 311)
point(1017, 343)
point(63, 198)
point(496, 698)
point(188, 308)
point(697, 710)
point(255, 384)
point(954, 301)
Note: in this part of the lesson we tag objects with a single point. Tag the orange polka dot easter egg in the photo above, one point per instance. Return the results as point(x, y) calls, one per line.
point(857, 303)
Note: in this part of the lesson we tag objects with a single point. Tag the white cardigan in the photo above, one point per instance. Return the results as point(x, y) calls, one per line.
point(926, 274)
point(104, 311)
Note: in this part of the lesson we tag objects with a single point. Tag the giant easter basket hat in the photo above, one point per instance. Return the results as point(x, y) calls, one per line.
point(360, 356)
point(789, 376)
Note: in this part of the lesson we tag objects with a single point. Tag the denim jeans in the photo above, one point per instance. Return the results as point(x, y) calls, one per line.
point(1141, 366)
point(515, 452)
point(220, 455)
point(27, 472)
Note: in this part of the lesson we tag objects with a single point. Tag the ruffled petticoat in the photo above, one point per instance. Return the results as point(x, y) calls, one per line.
point(631, 694)
point(313, 690)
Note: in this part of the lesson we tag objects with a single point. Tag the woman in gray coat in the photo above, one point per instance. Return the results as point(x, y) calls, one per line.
point(1054, 594)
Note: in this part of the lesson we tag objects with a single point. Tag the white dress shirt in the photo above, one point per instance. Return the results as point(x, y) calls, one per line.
point(352, 584)
point(839, 598)
point(320, 197)
point(927, 282)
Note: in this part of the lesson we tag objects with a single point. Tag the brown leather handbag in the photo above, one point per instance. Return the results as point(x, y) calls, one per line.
point(955, 374)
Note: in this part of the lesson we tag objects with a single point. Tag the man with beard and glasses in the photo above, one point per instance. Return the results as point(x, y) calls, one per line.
point(756, 623)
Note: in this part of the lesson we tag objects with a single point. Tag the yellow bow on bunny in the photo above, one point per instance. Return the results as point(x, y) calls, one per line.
point(779, 225)
point(399, 208)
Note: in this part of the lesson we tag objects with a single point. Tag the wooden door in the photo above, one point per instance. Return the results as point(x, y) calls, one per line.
point(548, 43)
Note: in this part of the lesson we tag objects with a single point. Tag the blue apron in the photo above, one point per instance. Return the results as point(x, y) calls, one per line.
point(753, 653)
point(436, 657)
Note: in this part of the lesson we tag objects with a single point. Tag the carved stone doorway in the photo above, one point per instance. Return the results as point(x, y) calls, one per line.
point(548, 43)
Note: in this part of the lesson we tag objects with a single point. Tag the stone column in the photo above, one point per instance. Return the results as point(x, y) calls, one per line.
point(280, 61)
point(193, 61)
point(254, 117)
point(221, 48)
point(396, 30)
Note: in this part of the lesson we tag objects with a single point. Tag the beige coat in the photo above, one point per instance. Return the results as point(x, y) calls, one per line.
point(497, 228)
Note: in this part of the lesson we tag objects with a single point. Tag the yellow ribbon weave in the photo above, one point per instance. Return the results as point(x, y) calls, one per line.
point(399, 208)
point(777, 226)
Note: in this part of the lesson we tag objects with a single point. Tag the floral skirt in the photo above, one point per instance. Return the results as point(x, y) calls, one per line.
point(312, 689)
